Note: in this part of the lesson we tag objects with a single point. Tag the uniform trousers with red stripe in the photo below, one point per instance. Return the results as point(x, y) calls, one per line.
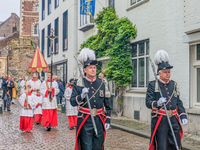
point(164, 139)
point(88, 139)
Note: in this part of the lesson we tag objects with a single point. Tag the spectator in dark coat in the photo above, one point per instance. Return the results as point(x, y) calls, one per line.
point(7, 100)
point(8, 84)
point(62, 90)
point(4, 87)
point(1, 82)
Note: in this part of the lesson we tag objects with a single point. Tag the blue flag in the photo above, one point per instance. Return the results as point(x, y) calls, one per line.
point(87, 7)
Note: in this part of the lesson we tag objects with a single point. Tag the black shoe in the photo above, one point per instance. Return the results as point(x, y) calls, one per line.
point(74, 127)
point(71, 128)
point(8, 110)
point(49, 128)
point(37, 123)
point(12, 103)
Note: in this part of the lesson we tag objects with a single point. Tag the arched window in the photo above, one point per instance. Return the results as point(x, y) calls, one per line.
point(36, 29)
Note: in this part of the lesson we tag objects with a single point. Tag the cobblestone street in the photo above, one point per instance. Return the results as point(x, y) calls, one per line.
point(59, 138)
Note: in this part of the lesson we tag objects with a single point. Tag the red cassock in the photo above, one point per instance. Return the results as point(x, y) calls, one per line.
point(38, 109)
point(26, 115)
point(71, 112)
point(72, 121)
point(49, 107)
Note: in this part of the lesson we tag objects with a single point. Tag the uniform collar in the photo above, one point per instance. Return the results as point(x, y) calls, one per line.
point(90, 79)
point(38, 95)
point(164, 81)
point(70, 87)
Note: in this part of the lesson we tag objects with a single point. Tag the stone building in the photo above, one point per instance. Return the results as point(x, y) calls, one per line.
point(19, 57)
point(3, 66)
point(29, 19)
point(9, 26)
point(9, 29)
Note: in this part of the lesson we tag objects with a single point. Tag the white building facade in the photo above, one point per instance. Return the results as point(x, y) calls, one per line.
point(174, 27)
point(60, 15)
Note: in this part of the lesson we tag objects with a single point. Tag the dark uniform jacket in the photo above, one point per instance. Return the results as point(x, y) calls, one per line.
point(98, 100)
point(169, 91)
point(11, 85)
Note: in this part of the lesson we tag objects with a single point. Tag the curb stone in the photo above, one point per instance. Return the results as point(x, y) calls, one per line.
point(145, 135)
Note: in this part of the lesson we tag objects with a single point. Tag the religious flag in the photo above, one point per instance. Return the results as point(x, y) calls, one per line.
point(87, 7)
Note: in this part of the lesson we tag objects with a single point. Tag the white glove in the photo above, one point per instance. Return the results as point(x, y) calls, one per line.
point(85, 90)
point(107, 126)
point(184, 122)
point(161, 101)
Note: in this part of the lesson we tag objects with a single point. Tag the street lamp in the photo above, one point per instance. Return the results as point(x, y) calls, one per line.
point(52, 37)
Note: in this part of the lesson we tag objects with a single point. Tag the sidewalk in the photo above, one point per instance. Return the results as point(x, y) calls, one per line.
point(189, 142)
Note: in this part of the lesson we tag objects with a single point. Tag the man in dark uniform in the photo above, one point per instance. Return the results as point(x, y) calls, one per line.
point(161, 136)
point(8, 85)
point(86, 139)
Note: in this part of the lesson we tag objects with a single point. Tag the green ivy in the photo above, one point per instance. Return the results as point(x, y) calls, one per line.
point(113, 39)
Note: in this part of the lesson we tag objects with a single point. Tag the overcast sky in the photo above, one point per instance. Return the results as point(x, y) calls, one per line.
point(7, 7)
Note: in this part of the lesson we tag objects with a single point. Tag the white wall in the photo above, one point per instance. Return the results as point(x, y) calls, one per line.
point(71, 6)
point(191, 16)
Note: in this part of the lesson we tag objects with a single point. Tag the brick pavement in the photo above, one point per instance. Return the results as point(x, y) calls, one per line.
point(190, 141)
point(11, 138)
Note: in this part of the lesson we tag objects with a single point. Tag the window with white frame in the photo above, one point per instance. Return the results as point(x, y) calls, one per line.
point(48, 41)
point(43, 9)
point(37, 8)
point(56, 3)
point(111, 3)
point(85, 19)
point(65, 30)
point(36, 29)
point(135, 1)
point(49, 7)
point(56, 31)
point(140, 62)
point(195, 74)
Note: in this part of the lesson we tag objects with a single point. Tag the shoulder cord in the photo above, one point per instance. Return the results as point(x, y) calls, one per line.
point(93, 94)
point(169, 98)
